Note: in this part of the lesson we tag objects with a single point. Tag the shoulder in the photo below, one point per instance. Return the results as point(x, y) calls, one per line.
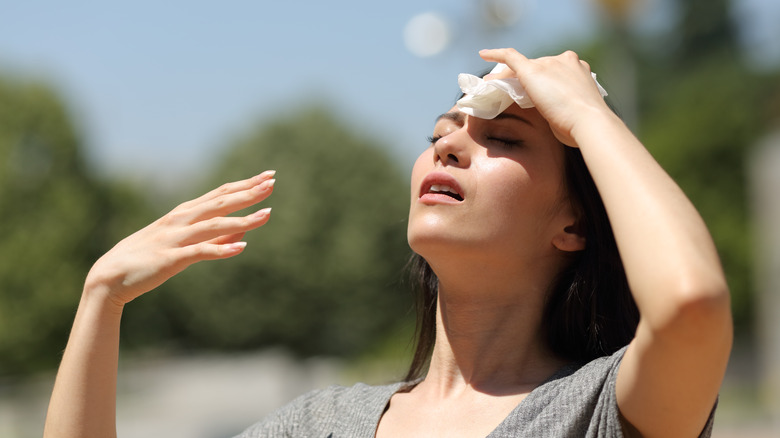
point(359, 397)
point(585, 385)
point(337, 410)
point(578, 400)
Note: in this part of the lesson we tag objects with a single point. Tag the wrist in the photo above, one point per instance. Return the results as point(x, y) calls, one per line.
point(99, 294)
point(597, 123)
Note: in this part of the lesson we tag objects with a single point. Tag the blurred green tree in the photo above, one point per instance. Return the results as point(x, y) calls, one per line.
point(324, 275)
point(701, 110)
point(55, 220)
point(705, 29)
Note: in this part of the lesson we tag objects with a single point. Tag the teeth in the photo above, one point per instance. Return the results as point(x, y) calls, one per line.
point(442, 188)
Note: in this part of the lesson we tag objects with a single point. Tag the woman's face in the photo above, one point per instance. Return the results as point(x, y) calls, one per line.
point(492, 188)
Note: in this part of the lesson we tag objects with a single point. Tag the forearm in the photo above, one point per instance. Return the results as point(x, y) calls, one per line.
point(670, 374)
point(670, 259)
point(83, 402)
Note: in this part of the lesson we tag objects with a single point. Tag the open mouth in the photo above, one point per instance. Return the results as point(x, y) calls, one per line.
point(446, 190)
point(441, 187)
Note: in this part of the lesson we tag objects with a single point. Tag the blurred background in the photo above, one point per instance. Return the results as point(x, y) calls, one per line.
point(111, 113)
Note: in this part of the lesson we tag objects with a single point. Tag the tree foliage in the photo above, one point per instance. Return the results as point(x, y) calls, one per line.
point(324, 275)
point(55, 220)
point(705, 29)
point(701, 111)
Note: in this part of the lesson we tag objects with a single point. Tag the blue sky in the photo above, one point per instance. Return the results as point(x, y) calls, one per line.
point(158, 87)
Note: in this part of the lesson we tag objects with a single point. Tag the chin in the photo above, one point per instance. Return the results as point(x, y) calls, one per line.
point(437, 242)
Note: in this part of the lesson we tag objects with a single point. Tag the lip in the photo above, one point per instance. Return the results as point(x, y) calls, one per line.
point(441, 178)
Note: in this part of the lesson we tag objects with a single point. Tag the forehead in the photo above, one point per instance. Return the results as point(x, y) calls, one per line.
point(528, 116)
point(453, 115)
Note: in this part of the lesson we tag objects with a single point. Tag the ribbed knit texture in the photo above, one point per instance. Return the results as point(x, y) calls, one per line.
point(575, 402)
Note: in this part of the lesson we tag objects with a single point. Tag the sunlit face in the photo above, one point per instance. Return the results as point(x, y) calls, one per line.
point(492, 188)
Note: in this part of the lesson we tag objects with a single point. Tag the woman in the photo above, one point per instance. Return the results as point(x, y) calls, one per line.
point(492, 217)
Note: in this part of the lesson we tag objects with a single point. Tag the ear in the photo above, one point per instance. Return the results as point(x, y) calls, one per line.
point(571, 238)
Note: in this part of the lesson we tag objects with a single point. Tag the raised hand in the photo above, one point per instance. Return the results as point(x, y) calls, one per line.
point(671, 372)
point(195, 230)
point(560, 87)
point(83, 402)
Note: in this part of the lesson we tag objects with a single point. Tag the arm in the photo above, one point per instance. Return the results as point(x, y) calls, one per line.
point(669, 378)
point(84, 397)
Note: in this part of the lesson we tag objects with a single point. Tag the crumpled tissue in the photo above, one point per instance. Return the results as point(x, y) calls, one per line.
point(487, 99)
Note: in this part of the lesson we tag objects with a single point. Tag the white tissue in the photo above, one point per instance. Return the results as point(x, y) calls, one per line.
point(487, 99)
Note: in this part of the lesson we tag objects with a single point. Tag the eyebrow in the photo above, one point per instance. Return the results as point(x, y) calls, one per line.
point(455, 116)
point(513, 116)
point(459, 117)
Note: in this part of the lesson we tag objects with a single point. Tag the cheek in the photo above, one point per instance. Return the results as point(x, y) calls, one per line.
point(419, 170)
point(502, 183)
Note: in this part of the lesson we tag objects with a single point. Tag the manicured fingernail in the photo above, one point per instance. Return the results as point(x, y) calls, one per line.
point(262, 213)
point(236, 246)
point(265, 175)
point(265, 185)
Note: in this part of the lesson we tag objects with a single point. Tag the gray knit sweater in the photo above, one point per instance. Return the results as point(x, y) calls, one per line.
point(575, 402)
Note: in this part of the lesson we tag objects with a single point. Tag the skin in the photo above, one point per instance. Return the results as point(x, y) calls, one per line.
point(495, 253)
point(83, 402)
point(669, 378)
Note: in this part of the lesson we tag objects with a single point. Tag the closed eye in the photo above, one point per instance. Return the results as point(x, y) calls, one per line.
point(506, 142)
point(433, 139)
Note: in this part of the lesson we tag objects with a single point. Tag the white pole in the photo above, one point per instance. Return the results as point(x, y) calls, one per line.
point(764, 177)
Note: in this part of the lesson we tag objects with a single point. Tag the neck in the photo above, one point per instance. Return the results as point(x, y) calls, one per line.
point(489, 333)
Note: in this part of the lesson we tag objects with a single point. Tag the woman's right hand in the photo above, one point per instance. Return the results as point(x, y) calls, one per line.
point(196, 230)
point(83, 402)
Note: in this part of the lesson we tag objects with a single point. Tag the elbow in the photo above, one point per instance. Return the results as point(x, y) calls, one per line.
point(703, 293)
point(692, 310)
point(699, 311)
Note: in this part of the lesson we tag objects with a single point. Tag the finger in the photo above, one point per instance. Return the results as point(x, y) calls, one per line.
point(223, 205)
point(511, 57)
point(231, 187)
point(230, 238)
point(230, 203)
point(571, 58)
point(221, 227)
point(191, 254)
point(503, 74)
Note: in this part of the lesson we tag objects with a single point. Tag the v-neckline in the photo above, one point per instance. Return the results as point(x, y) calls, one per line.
point(561, 372)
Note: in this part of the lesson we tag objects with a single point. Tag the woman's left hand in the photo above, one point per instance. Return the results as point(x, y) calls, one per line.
point(671, 372)
point(561, 87)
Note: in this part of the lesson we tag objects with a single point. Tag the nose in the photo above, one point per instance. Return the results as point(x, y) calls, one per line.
point(453, 149)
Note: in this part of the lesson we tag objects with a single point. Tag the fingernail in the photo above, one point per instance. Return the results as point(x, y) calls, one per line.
point(265, 185)
point(262, 213)
point(267, 174)
point(236, 246)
